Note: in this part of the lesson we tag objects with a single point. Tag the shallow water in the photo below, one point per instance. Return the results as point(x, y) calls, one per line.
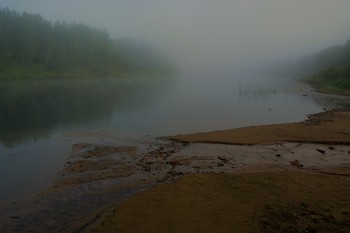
point(40, 121)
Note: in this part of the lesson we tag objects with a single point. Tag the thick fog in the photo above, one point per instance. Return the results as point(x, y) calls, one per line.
point(209, 41)
point(210, 32)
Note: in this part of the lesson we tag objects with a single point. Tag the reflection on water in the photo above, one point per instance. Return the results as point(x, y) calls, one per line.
point(257, 92)
point(37, 108)
point(32, 109)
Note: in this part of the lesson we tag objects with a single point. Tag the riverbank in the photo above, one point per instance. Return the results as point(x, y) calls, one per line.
point(175, 186)
point(277, 178)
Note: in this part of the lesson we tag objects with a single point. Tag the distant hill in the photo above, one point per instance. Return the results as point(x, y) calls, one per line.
point(30, 46)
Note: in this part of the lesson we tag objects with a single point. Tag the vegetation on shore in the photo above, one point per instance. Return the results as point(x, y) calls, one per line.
point(33, 47)
point(331, 70)
point(332, 80)
point(327, 70)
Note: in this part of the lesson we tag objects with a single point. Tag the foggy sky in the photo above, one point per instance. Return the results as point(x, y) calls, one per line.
point(194, 31)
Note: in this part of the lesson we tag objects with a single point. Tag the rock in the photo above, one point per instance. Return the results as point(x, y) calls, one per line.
point(223, 159)
point(220, 164)
point(296, 163)
point(331, 148)
point(321, 151)
point(174, 173)
point(174, 163)
point(278, 155)
point(147, 168)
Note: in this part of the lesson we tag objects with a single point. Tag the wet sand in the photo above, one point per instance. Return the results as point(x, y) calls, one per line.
point(289, 177)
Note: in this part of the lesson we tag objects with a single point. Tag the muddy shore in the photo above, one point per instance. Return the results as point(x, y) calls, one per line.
point(283, 178)
point(273, 178)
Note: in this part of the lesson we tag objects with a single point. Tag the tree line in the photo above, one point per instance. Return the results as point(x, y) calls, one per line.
point(32, 46)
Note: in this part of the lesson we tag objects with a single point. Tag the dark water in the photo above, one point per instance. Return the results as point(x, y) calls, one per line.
point(40, 120)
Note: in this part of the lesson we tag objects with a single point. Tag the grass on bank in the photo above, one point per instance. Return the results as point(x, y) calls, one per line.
point(332, 80)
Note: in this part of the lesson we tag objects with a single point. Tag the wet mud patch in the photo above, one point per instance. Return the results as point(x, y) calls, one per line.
point(93, 178)
point(91, 162)
point(89, 150)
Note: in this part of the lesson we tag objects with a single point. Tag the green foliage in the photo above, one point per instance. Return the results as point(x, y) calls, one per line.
point(331, 70)
point(33, 47)
point(333, 80)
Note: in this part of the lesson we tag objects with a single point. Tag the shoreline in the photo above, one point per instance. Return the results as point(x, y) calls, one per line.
point(97, 179)
point(329, 127)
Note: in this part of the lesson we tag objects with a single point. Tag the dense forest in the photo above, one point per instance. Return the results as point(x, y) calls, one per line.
point(33, 47)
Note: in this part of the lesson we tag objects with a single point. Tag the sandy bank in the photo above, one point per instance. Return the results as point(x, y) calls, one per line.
point(331, 127)
point(276, 178)
point(284, 200)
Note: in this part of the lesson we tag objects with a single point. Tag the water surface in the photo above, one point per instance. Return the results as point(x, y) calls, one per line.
point(40, 120)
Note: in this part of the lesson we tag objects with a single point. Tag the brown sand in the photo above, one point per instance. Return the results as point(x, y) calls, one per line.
point(275, 201)
point(264, 196)
point(331, 127)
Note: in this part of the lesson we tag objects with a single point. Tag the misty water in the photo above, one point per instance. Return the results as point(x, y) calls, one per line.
point(40, 120)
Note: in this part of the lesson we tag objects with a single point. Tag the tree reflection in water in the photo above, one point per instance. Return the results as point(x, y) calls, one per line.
point(31, 109)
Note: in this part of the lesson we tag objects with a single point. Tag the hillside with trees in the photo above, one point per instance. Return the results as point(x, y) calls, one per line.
point(327, 70)
point(330, 71)
point(30, 46)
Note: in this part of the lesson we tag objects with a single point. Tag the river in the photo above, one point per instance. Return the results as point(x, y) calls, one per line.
point(40, 120)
